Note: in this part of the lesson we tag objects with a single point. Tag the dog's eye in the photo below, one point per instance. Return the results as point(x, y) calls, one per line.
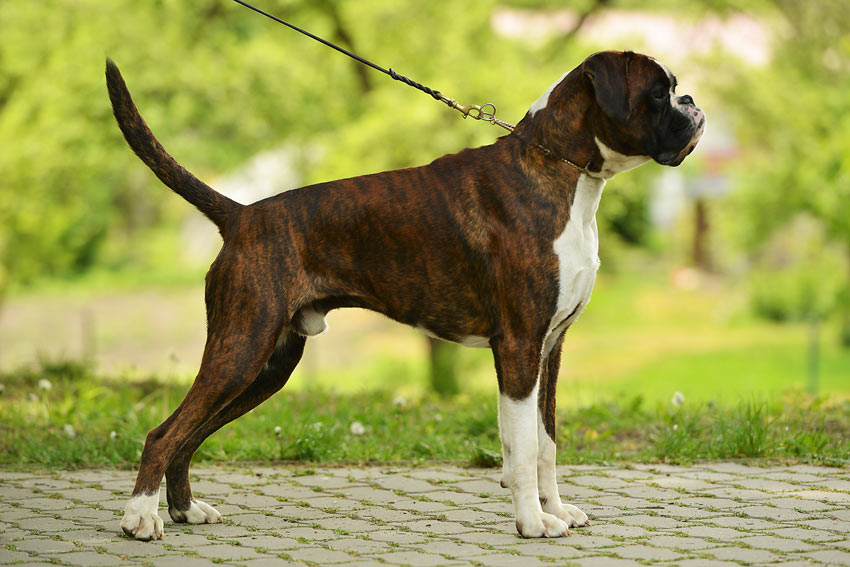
point(659, 93)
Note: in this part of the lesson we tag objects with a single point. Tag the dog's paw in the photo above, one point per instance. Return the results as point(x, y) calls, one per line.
point(571, 515)
point(541, 524)
point(141, 520)
point(199, 512)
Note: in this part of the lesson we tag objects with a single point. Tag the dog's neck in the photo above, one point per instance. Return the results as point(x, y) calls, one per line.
point(558, 132)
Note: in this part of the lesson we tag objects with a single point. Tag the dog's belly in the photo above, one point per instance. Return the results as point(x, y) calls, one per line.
point(577, 249)
point(473, 341)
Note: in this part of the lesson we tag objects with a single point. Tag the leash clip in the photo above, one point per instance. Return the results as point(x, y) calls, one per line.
point(485, 112)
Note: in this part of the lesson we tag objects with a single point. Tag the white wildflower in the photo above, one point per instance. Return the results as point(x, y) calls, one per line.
point(399, 401)
point(678, 399)
point(113, 435)
point(277, 430)
point(44, 384)
point(675, 426)
point(317, 426)
point(357, 428)
point(69, 430)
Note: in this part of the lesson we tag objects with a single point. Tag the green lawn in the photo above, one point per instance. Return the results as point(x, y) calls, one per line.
point(63, 416)
point(640, 341)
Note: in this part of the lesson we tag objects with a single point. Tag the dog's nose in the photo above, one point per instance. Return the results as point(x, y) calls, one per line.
point(686, 99)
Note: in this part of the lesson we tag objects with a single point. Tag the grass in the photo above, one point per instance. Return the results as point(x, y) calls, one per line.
point(83, 420)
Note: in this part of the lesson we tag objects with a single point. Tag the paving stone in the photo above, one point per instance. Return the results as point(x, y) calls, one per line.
point(703, 562)
point(436, 527)
point(678, 542)
point(713, 533)
point(269, 542)
point(9, 556)
point(415, 559)
point(349, 525)
point(830, 556)
point(319, 555)
point(456, 548)
point(186, 561)
point(710, 515)
point(766, 485)
point(645, 553)
point(42, 545)
point(805, 534)
point(582, 541)
point(604, 561)
point(279, 562)
point(598, 482)
point(742, 522)
point(507, 560)
point(225, 552)
point(398, 536)
point(776, 543)
point(742, 554)
point(359, 546)
point(85, 558)
point(822, 496)
point(652, 522)
point(778, 514)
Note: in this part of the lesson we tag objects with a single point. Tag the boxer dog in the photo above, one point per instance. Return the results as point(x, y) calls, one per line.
point(491, 247)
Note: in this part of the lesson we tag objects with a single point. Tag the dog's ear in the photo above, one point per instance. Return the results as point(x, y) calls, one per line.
point(608, 73)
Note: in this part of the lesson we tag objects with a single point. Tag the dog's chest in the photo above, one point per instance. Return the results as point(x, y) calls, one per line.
point(577, 249)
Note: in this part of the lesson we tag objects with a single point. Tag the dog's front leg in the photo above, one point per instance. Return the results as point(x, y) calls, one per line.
point(547, 480)
point(518, 368)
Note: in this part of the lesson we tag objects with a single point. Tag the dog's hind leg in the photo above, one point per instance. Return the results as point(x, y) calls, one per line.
point(182, 507)
point(241, 338)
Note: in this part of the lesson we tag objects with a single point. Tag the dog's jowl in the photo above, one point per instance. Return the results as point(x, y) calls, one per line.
point(493, 246)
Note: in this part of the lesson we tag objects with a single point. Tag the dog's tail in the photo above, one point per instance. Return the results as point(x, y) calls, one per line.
point(210, 202)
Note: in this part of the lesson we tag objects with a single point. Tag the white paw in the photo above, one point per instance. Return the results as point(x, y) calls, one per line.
point(199, 512)
point(541, 524)
point(573, 517)
point(141, 520)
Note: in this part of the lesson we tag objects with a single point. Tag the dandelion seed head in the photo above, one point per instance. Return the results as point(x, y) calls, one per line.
point(277, 430)
point(69, 430)
point(678, 399)
point(113, 435)
point(357, 428)
point(399, 401)
point(44, 384)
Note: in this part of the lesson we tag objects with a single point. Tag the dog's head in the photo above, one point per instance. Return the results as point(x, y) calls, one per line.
point(641, 113)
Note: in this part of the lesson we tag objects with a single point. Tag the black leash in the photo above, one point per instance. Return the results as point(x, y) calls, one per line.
point(485, 112)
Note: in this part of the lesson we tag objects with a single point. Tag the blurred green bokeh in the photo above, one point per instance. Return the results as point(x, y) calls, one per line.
point(219, 85)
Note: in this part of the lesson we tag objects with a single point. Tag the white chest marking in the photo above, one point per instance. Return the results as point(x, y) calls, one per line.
point(614, 162)
point(577, 249)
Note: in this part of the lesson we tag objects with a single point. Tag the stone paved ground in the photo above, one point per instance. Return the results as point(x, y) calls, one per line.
point(711, 515)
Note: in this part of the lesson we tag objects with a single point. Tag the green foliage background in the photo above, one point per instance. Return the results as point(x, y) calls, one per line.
point(219, 83)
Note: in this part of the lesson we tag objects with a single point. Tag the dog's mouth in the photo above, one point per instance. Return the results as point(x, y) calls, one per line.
point(675, 158)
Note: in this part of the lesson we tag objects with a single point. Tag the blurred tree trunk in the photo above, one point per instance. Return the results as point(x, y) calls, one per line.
point(844, 309)
point(700, 256)
point(342, 36)
point(443, 360)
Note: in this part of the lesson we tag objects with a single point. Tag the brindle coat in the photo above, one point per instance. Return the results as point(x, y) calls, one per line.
point(461, 247)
